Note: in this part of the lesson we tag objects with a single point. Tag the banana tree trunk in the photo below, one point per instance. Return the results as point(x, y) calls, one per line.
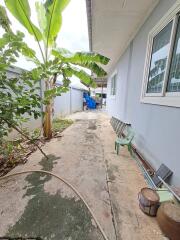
point(47, 125)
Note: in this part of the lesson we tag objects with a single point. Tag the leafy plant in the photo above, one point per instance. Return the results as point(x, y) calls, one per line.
point(56, 61)
point(6, 148)
point(36, 133)
point(19, 96)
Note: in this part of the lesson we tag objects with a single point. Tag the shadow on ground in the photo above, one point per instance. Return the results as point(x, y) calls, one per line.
point(52, 216)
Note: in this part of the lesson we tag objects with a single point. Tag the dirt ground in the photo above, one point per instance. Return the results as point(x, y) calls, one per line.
point(38, 205)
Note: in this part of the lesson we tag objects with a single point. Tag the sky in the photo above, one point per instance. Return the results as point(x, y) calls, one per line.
point(73, 34)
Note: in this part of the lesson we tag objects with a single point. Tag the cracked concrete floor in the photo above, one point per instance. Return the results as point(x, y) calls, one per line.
point(35, 204)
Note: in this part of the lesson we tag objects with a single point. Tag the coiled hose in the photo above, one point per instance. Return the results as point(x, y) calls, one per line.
point(69, 185)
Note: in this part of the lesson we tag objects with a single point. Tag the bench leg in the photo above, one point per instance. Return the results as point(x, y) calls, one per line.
point(115, 145)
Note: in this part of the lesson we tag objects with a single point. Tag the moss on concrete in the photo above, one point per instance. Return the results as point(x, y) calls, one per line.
point(51, 216)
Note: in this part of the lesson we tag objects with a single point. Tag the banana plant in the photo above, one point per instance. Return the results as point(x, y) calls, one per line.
point(55, 61)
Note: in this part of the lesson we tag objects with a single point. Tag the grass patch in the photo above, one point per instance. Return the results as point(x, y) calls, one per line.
point(60, 125)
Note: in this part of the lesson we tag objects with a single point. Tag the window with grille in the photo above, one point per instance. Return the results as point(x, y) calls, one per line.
point(162, 69)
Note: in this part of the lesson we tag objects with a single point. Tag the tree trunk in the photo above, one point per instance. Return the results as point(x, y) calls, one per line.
point(47, 125)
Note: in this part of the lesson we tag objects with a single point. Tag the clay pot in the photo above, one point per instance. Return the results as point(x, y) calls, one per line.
point(168, 217)
point(148, 201)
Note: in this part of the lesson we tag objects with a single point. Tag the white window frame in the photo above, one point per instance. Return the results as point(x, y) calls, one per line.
point(163, 98)
point(112, 76)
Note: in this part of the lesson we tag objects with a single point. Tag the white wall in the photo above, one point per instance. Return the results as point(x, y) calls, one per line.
point(157, 127)
point(68, 103)
point(77, 100)
point(62, 105)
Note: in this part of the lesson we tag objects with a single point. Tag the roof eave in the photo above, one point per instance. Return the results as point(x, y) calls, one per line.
point(89, 21)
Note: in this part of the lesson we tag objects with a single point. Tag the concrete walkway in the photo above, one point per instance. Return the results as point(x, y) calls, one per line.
point(39, 205)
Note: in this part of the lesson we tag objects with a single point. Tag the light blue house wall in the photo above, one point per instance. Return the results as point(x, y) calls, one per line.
point(157, 127)
point(116, 105)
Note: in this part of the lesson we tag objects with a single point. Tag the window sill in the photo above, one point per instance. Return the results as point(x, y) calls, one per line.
point(170, 101)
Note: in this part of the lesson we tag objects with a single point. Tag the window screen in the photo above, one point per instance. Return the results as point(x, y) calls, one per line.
point(160, 50)
point(174, 75)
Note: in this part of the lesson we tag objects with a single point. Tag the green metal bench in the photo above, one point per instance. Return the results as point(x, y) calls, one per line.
point(126, 141)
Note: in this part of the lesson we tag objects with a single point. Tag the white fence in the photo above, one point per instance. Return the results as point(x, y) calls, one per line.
point(68, 103)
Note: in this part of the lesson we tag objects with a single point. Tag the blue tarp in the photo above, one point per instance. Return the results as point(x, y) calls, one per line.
point(91, 103)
